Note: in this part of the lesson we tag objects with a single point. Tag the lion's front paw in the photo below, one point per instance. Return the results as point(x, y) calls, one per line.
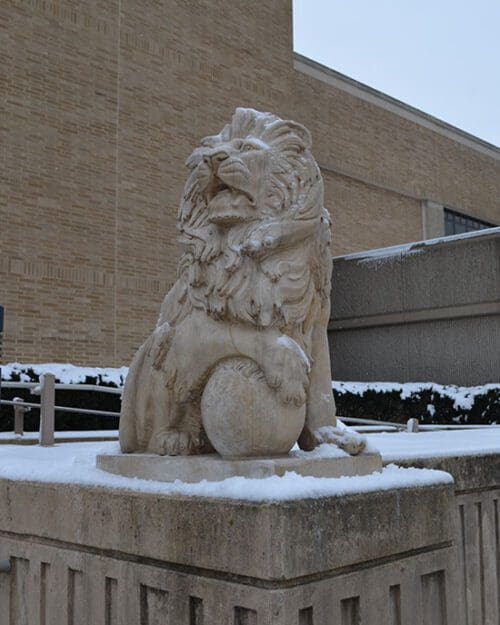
point(179, 443)
point(286, 368)
point(291, 392)
point(258, 245)
point(345, 438)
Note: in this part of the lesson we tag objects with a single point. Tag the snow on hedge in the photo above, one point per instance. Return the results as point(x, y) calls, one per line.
point(463, 397)
point(426, 401)
point(65, 373)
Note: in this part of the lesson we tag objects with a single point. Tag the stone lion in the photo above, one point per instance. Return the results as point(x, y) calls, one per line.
point(252, 299)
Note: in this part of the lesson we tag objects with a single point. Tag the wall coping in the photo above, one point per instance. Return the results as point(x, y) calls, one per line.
point(273, 543)
point(378, 98)
point(395, 250)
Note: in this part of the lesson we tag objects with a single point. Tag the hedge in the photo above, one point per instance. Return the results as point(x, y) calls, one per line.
point(429, 403)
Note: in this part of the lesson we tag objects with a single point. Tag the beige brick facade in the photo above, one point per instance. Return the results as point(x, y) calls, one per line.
point(101, 101)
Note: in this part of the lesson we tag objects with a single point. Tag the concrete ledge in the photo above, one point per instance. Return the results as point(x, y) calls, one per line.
point(276, 541)
point(471, 473)
point(213, 468)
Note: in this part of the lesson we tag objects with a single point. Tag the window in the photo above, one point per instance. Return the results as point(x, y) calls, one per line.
point(457, 223)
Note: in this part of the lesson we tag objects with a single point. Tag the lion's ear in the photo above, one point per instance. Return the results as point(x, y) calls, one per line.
point(194, 159)
point(287, 132)
point(301, 131)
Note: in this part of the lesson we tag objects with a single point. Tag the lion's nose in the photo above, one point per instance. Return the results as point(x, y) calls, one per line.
point(213, 160)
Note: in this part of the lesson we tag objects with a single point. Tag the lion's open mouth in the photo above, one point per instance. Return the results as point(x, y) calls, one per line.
point(217, 186)
point(228, 205)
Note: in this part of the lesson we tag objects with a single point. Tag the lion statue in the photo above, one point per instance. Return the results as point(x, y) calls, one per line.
point(252, 299)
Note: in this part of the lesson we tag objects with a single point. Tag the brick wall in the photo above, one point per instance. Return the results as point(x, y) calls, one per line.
point(102, 101)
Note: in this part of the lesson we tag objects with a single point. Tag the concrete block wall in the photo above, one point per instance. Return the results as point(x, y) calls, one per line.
point(50, 584)
point(125, 558)
point(426, 314)
point(477, 532)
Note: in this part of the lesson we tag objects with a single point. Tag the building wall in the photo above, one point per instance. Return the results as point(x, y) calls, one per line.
point(426, 314)
point(103, 100)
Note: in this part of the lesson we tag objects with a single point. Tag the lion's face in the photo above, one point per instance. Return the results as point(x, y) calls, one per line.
point(228, 175)
point(256, 168)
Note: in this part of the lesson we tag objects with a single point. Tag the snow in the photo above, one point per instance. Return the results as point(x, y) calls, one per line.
point(387, 254)
point(74, 463)
point(398, 446)
point(289, 343)
point(66, 373)
point(463, 396)
point(322, 451)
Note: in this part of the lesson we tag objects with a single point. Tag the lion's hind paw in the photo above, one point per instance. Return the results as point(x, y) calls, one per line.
point(178, 443)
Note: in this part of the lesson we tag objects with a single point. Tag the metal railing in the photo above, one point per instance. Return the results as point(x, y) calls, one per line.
point(413, 425)
point(46, 389)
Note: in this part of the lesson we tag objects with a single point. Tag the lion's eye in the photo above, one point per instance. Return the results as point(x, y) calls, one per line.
point(247, 147)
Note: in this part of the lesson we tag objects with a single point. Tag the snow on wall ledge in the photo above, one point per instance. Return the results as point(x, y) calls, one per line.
point(74, 463)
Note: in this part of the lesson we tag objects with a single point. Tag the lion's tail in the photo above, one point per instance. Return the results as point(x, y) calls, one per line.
point(128, 414)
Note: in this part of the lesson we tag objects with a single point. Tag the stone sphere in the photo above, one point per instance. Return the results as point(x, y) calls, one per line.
point(243, 417)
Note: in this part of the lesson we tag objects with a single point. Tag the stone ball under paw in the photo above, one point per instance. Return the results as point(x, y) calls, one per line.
point(243, 417)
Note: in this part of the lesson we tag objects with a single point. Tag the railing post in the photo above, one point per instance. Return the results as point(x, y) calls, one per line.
point(19, 411)
point(412, 425)
point(47, 403)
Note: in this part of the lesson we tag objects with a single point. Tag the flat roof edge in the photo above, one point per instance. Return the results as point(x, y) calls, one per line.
point(417, 246)
point(378, 98)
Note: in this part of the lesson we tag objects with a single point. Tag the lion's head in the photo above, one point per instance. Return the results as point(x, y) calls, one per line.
point(255, 167)
point(252, 223)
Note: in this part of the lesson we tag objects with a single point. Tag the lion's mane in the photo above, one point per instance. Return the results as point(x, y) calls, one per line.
point(273, 269)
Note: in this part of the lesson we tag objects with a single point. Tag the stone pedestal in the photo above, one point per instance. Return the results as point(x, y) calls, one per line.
point(89, 555)
point(213, 468)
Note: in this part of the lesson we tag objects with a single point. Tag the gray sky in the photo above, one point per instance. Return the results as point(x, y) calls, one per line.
point(441, 56)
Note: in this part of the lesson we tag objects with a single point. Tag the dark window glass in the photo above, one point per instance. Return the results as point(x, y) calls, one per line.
point(456, 223)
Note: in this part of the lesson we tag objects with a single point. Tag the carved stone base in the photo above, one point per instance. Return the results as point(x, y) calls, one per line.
point(213, 468)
